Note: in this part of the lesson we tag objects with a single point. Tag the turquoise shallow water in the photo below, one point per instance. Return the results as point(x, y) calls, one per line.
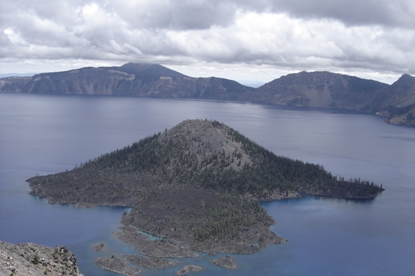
point(48, 134)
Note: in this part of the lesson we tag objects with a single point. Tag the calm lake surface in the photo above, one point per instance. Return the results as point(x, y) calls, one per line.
point(48, 134)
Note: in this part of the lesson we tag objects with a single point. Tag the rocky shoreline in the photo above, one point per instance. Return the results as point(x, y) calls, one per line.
point(150, 262)
point(188, 269)
point(164, 248)
point(157, 252)
point(99, 247)
point(117, 265)
point(225, 262)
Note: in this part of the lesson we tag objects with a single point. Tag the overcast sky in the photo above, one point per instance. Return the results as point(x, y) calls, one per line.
point(245, 40)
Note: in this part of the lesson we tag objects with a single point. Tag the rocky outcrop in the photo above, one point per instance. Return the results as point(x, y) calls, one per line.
point(117, 265)
point(226, 262)
point(189, 269)
point(32, 259)
point(99, 247)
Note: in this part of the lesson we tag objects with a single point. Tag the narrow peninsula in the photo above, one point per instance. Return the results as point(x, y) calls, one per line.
point(195, 187)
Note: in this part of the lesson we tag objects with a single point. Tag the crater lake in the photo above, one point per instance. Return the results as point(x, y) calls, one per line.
point(48, 134)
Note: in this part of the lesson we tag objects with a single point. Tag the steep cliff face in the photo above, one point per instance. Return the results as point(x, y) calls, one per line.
point(86, 81)
point(321, 89)
point(401, 93)
point(13, 84)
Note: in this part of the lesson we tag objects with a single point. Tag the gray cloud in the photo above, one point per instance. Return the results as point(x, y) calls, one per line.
point(396, 13)
point(181, 15)
point(293, 35)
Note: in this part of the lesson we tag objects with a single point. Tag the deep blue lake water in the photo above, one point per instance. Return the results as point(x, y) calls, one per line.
point(48, 134)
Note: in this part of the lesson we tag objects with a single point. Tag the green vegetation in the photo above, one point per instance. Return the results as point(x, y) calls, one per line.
point(36, 259)
point(172, 161)
point(200, 178)
point(226, 223)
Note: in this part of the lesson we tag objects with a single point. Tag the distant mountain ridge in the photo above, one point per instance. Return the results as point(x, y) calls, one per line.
point(319, 89)
point(131, 79)
point(304, 89)
point(395, 102)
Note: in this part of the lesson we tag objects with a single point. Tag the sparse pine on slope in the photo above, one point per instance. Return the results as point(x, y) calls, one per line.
point(199, 183)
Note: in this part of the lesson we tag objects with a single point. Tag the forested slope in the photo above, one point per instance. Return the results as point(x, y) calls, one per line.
point(201, 177)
